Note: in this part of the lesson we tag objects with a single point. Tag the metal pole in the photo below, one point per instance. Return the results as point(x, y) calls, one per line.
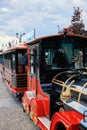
point(34, 34)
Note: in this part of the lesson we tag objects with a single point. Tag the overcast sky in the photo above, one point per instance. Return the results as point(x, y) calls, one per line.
point(44, 15)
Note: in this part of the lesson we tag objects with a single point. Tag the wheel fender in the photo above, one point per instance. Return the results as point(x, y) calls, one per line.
point(69, 120)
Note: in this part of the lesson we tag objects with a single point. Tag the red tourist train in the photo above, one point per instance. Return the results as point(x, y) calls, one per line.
point(12, 69)
point(57, 81)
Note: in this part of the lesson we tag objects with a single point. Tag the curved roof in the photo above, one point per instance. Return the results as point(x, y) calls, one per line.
point(55, 35)
point(19, 46)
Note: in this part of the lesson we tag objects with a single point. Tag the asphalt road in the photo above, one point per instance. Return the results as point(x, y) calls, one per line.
point(11, 113)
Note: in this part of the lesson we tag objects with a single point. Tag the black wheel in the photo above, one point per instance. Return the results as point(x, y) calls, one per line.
point(23, 110)
point(61, 126)
point(19, 96)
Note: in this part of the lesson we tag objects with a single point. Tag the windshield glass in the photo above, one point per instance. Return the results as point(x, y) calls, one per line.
point(62, 53)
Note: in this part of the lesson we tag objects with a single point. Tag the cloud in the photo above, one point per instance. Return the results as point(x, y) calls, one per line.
point(13, 1)
point(4, 9)
point(21, 16)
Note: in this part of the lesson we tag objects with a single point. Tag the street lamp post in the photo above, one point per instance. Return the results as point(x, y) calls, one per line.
point(19, 36)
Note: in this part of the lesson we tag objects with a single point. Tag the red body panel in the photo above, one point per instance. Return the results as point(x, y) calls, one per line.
point(40, 94)
point(17, 90)
point(69, 119)
point(2, 70)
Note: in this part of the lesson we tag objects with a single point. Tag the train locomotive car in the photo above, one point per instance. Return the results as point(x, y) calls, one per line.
point(63, 56)
point(15, 73)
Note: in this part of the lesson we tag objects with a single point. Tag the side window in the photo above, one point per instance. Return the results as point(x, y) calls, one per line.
point(1, 59)
point(33, 60)
point(19, 58)
point(24, 59)
point(85, 57)
point(48, 56)
point(22, 62)
point(20, 67)
point(53, 58)
point(13, 63)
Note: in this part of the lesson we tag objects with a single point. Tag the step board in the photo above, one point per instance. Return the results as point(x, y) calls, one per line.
point(30, 94)
point(45, 121)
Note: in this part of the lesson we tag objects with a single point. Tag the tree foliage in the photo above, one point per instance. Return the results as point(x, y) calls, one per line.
point(77, 26)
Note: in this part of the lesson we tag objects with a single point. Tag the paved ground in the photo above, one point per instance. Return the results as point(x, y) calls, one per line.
point(11, 113)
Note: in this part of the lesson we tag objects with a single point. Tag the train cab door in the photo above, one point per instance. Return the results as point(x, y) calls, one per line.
point(34, 68)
